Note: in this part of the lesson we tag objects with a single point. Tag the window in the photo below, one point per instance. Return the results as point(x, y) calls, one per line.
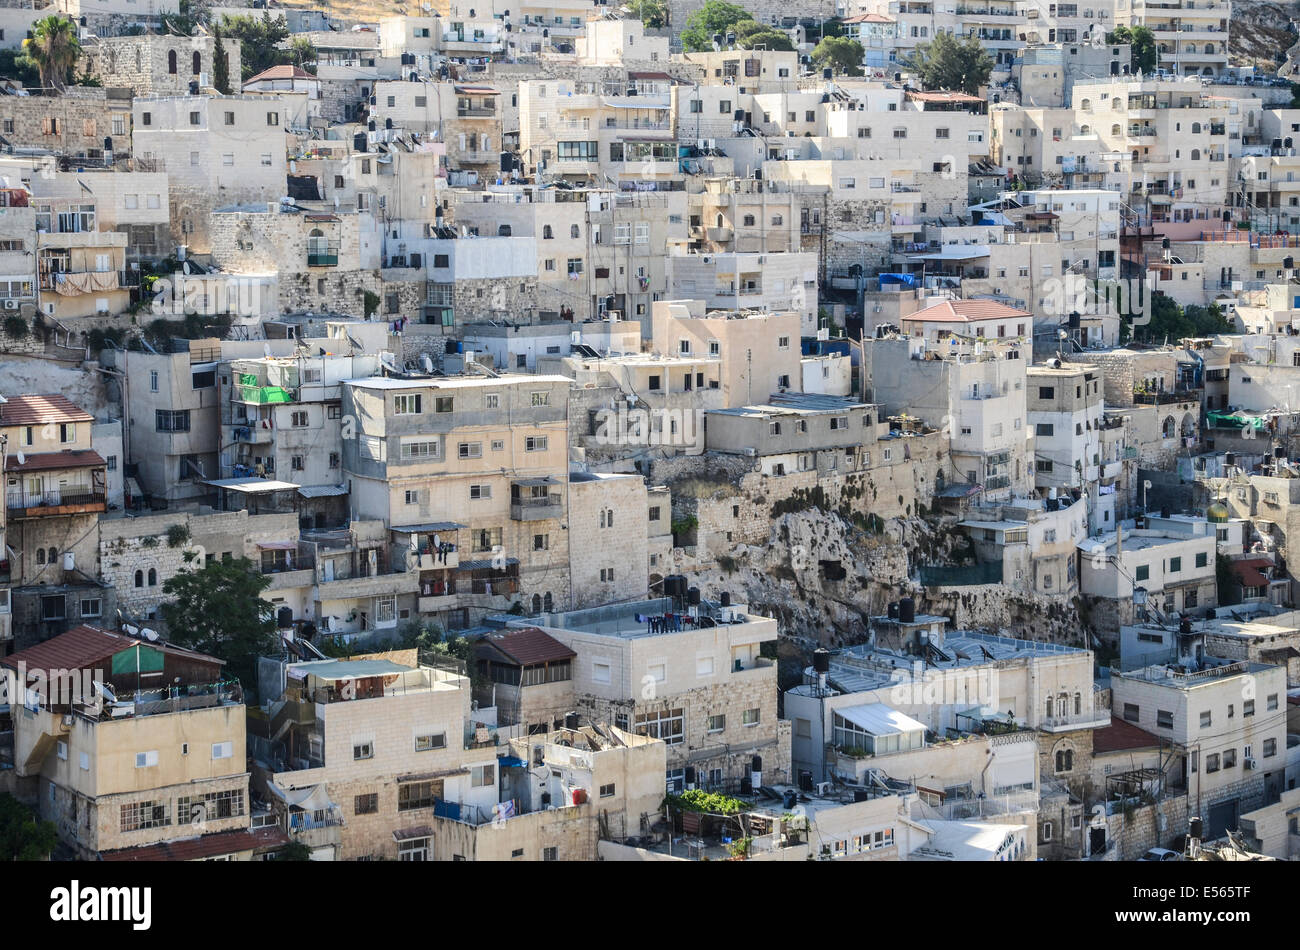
point(367, 804)
point(607, 791)
point(413, 795)
point(1248, 708)
point(1270, 748)
point(223, 750)
point(91, 607)
point(470, 450)
point(172, 420)
point(1175, 565)
point(704, 666)
point(1206, 720)
point(363, 750)
point(1212, 762)
point(1130, 712)
point(406, 405)
point(480, 492)
point(535, 443)
point(550, 854)
point(431, 742)
point(541, 399)
point(299, 420)
point(1271, 702)
point(750, 717)
point(1044, 429)
point(717, 723)
point(1164, 719)
point(482, 776)
point(144, 760)
point(419, 449)
point(139, 816)
point(600, 671)
point(665, 724)
point(1142, 572)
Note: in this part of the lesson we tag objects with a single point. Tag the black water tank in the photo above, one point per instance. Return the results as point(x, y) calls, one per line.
point(1210, 614)
point(693, 596)
point(756, 764)
point(726, 598)
point(1229, 458)
point(1288, 263)
point(789, 799)
point(1279, 452)
point(907, 610)
point(893, 611)
point(861, 795)
point(690, 775)
point(821, 660)
point(747, 786)
point(1195, 829)
point(827, 73)
point(805, 780)
point(571, 720)
point(1164, 511)
point(1074, 320)
point(1185, 626)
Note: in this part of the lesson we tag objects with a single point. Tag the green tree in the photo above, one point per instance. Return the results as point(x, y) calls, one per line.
point(294, 851)
point(258, 41)
point(750, 35)
point(841, 54)
point(1295, 96)
point(16, 65)
point(1171, 322)
point(1227, 581)
point(218, 608)
point(716, 16)
point(220, 62)
point(53, 48)
point(302, 52)
point(23, 836)
point(944, 63)
point(653, 14)
point(1143, 55)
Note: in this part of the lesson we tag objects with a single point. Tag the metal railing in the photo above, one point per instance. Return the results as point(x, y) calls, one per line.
point(54, 499)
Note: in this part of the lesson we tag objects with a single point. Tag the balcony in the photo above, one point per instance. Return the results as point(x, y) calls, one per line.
point(72, 283)
point(1165, 398)
point(323, 255)
point(251, 435)
point(431, 562)
point(476, 112)
point(1098, 719)
point(66, 501)
point(535, 508)
point(286, 579)
point(372, 585)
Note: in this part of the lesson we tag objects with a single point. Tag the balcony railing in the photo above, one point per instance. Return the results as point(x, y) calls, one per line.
point(60, 498)
point(535, 509)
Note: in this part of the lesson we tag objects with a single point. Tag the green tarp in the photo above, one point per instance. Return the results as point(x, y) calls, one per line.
point(148, 659)
point(1226, 420)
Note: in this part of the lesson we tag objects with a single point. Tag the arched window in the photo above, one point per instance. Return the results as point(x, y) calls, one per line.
point(1168, 428)
point(1065, 760)
point(1196, 154)
point(53, 555)
point(1062, 705)
point(40, 556)
point(1086, 105)
point(153, 577)
point(1049, 707)
point(547, 233)
point(139, 578)
point(609, 518)
point(1078, 704)
point(548, 603)
point(719, 220)
point(198, 63)
point(1196, 128)
point(575, 231)
point(1209, 48)
point(503, 230)
point(749, 220)
point(1115, 129)
point(171, 61)
point(317, 243)
point(602, 517)
point(537, 603)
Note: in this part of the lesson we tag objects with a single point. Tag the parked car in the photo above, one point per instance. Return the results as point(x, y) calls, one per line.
point(1161, 854)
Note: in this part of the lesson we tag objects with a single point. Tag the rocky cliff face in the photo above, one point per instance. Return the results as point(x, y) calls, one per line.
point(1260, 32)
point(823, 578)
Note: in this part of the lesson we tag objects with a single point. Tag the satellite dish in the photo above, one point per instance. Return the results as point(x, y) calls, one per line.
point(22, 459)
point(266, 350)
point(426, 362)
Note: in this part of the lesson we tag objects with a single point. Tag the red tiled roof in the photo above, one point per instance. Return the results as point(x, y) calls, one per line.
point(870, 18)
point(204, 846)
point(1121, 736)
point(44, 461)
point(38, 410)
point(83, 646)
point(529, 645)
point(1249, 571)
point(281, 72)
point(964, 311)
point(78, 649)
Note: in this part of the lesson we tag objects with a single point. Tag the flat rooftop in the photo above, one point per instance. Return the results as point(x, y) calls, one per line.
point(453, 382)
point(1138, 539)
point(1177, 678)
point(627, 620)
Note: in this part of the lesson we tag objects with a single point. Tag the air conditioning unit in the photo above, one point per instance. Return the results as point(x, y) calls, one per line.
point(1250, 763)
point(11, 304)
point(823, 788)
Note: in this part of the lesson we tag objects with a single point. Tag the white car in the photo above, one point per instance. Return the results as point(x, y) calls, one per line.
point(1161, 854)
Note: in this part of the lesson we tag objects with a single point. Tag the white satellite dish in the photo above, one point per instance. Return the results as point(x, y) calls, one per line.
point(22, 459)
point(426, 362)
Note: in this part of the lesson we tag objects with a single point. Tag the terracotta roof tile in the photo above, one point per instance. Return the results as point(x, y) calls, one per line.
point(204, 846)
point(44, 461)
point(1121, 736)
point(528, 645)
point(965, 311)
point(40, 409)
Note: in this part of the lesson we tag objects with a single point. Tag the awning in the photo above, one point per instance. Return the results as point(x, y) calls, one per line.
point(322, 491)
point(428, 528)
point(545, 480)
point(253, 485)
point(313, 798)
point(484, 565)
point(277, 545)
point(431, 776)
point(511, 762)
point(406, 834)
point(879, 719)
point(333, 670)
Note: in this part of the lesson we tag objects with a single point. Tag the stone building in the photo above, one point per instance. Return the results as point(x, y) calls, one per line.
point(82, 124)
point(155, 64)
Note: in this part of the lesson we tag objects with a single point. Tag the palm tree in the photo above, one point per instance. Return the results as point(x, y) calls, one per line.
point(54, 49)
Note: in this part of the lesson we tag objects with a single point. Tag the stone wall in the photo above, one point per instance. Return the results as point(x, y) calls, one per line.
point(144, 63)
point(74, 123)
